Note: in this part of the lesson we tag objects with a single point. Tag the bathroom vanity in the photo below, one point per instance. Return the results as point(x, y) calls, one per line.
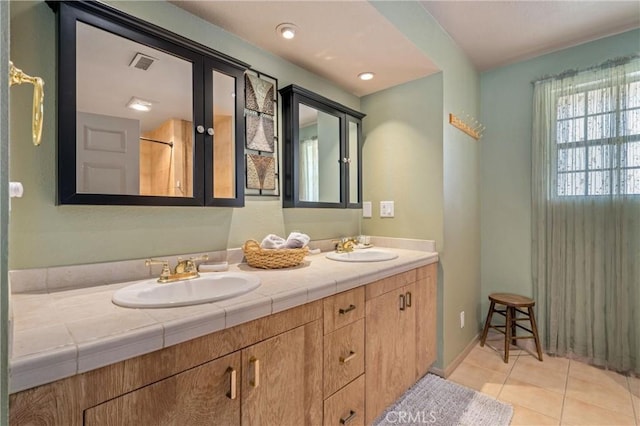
point(320, 361)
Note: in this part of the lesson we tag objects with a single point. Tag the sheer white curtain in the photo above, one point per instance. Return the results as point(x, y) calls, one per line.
point(586, 213)
point(309, 180)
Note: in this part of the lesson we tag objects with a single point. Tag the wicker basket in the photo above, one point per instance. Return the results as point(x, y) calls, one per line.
point(272, 258)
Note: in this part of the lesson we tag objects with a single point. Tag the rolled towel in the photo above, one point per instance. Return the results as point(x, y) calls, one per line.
point(297, 240)
point(273, 241)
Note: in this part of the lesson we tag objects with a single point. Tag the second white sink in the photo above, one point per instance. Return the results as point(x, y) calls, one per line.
point(209, 287)
point(370, 255)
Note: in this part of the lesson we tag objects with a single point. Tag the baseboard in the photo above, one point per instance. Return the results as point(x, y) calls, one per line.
point(446, 372)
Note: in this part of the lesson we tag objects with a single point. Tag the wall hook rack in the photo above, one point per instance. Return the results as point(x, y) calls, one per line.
point(16, 76)
point(474, 129)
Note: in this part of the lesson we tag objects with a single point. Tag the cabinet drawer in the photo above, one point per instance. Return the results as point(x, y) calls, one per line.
point(343, 356)
point(343, 308)
point(346, 407)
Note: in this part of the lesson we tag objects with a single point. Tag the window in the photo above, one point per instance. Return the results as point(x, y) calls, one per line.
point(598, 140)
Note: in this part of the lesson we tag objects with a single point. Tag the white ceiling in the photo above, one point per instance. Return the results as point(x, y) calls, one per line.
point(496, 33)
point(335, 39)
point(106, 82)
point(338, 39)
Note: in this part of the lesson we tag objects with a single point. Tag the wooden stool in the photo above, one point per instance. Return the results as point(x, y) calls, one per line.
point(512, 302)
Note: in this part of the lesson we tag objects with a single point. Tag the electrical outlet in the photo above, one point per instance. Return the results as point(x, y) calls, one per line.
point(462, 319)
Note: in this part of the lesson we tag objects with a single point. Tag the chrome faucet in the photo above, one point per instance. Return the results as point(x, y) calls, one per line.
point(345, 245)
point(184, 270)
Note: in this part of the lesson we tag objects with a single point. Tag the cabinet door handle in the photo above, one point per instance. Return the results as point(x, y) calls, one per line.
point(402, 302)
point(343, 311)
point(408, 298)
point(344, 420)
point(255, 362)
point(233, 389)
point(210, 131)
point(344, 360)
point(200, 129)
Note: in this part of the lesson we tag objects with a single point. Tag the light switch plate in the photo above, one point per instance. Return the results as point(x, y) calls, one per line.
point(366, 209)
point(386, 208)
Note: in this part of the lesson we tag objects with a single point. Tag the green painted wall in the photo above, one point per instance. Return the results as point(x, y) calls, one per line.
point(459, 229)
point(507, 101)
point(43, 234)
point(402, 159)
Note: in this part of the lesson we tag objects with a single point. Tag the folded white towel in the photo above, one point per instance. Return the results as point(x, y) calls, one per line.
point(273, 241)
point(297, 240)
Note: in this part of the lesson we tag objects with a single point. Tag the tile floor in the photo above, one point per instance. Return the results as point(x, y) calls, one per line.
point(557, 391)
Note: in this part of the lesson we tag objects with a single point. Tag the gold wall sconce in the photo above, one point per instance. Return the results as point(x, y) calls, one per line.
point(16, 76)
point(474, 129)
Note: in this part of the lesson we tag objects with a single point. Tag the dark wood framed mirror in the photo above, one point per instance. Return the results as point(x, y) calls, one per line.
point(145, 116)
point(322, 151)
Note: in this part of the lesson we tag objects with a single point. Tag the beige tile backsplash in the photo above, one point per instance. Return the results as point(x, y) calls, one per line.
point(52, 279)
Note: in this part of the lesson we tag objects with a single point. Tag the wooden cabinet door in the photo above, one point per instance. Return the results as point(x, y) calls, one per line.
point(202, 395)
point(282, 378)
point(426, 313)
point(390, 349)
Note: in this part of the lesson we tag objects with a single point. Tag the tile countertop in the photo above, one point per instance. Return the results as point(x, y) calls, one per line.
point(63, 333)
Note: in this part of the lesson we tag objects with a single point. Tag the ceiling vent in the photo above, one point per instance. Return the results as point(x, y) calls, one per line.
point(142, 61)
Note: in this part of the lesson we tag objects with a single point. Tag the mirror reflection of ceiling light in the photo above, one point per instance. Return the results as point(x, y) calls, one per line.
point(139, 104)
point(365, 76)
point(286, 30)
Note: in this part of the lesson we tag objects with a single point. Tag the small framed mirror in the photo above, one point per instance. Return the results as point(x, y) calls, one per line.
point(322, 151)
point(318, 149)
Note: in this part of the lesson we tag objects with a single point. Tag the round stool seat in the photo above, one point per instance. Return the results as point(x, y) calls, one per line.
point(510, 299)
point(513, 304)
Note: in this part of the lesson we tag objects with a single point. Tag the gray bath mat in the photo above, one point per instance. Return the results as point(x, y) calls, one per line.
point(435, 401)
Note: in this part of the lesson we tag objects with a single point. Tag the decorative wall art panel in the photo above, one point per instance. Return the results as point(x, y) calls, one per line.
point(261, 172)
point(259, 94)
point(260, 132)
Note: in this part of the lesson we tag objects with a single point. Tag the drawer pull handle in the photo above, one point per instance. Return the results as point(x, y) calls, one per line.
point(343, 311)
point(233, 390)
point(408, 298)
point(402, 302)
point(344, 360)
point(256, 372)
point(352, 415)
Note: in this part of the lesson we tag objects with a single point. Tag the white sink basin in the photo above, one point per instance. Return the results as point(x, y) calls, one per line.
point(207, 288)
point(370, 255)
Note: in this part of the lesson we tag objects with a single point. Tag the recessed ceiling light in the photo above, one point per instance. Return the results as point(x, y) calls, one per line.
point(286, 30)
point(139, 104)
point(366, 75)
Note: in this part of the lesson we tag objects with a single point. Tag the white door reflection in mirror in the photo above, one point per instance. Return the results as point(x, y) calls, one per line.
point(121, 81)
point(107, 154)
point(319, 156)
